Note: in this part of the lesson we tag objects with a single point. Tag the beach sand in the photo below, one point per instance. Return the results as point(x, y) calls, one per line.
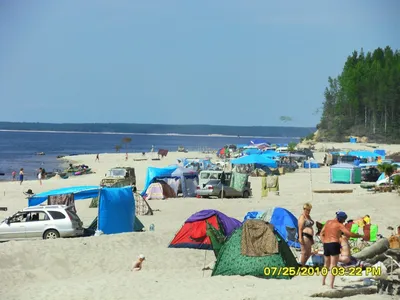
point(99, 267)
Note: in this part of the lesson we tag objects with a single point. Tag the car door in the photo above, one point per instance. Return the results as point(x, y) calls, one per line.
point(14, 229)
point(36, 224)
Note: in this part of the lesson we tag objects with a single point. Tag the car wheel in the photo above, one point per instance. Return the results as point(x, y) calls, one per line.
point(246, 194)
point(51, 234)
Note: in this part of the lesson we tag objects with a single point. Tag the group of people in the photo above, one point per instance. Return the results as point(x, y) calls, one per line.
point(21, 175)
point(334, 236)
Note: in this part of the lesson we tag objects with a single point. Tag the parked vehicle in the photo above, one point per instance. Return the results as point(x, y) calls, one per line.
point(387, 180)
point(119, 177)
point(214, 188)
point(370, 174)
point(207, 175)
point(46, 222)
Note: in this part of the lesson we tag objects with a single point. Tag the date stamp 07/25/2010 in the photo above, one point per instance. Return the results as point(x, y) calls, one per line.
point(321, 271)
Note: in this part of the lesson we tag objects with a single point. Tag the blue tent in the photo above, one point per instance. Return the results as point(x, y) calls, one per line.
point(154, 173)
point(282, 218)
point(80, 193)
point(255, 159)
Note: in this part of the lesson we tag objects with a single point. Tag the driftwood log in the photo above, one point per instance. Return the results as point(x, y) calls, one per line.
point(347, 292)
point(375, 249)
point(389, 287)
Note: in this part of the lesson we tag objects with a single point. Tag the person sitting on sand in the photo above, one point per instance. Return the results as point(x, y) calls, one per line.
point(137, 266)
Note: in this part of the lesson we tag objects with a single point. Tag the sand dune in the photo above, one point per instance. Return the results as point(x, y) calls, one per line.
point(98, 267)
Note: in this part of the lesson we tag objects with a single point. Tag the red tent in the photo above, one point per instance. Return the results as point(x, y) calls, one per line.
point(193, 233)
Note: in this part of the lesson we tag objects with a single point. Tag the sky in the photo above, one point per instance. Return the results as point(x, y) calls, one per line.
point(223, 62)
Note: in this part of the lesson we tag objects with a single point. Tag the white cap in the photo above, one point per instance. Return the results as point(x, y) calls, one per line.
point(141, 256)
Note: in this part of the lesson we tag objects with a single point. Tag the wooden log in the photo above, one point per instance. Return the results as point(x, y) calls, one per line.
point(389, 287)
point(395, 253)
point(346, 292)
point(376, 258)
point(375, 249)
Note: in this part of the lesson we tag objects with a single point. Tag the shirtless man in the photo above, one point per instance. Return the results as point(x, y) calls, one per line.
point(330, 236)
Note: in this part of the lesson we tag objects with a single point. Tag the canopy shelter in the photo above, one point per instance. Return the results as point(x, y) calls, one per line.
point(363, 154)
point(272, 153)
point(116, 210)
point(255, 159)
point(79, 192)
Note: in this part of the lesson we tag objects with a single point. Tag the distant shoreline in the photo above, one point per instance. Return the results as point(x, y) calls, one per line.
point(156, 134)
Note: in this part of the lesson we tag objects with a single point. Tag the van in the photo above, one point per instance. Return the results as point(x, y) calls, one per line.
point(207, 175)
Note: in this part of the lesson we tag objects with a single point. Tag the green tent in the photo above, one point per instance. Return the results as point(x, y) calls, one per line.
point(230, 261)
point(217, 238)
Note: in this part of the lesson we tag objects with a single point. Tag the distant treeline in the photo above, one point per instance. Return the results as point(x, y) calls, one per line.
point(271, 131)
point(364, 100)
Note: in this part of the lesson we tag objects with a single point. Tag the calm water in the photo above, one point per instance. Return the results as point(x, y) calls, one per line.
point(17, 149)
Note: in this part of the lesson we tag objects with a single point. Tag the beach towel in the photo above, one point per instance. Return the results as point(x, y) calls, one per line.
point(66, 199)
point(238, 181)
point(258, 239)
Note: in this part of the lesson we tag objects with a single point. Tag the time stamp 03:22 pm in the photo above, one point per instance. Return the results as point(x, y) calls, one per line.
point(323, 271)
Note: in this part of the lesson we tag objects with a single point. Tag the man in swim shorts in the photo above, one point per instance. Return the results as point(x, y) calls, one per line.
point(330, 236)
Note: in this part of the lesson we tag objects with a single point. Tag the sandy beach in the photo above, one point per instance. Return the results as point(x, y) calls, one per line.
point(99, 267)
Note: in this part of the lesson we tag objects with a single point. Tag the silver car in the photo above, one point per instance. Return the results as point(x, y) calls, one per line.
point(213, 188)
point(47, 222)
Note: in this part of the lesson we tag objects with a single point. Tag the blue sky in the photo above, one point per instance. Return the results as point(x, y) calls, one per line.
point(181, 62)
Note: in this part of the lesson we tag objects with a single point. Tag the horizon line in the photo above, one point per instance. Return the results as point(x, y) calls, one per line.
point(156, 134)
point(55, 123)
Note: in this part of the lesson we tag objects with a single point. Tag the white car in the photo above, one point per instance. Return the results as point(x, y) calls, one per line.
point(387, 180)
point(46, 222)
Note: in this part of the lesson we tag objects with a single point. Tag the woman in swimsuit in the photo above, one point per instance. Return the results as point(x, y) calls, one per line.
point(306, 233)
point(344, 256)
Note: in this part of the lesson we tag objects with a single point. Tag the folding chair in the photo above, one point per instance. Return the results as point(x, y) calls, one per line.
point(353, 227)
point(292, 238)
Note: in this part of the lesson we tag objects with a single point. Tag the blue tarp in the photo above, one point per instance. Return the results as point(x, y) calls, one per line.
point(250, 151)
point(272, 153)
point(255, 159)
point(362, 154)
point(371, 164)
point(153, 173)
point(116, 210)
point(80, 193)
point(253, 215)
point(281, 218)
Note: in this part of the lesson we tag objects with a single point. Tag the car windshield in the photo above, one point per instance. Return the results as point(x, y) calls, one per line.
point(117, 173)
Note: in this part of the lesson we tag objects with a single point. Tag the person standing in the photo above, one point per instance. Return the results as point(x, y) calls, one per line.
point(40, 176)
point(14, 174)
point(97, 158)
point(21, 176)
point(330, 236)
point(306, 233)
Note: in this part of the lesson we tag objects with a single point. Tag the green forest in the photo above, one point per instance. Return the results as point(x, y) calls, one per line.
point(364, 100)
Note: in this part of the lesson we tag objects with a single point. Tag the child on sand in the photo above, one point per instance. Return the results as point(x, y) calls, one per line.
point(137, 266)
